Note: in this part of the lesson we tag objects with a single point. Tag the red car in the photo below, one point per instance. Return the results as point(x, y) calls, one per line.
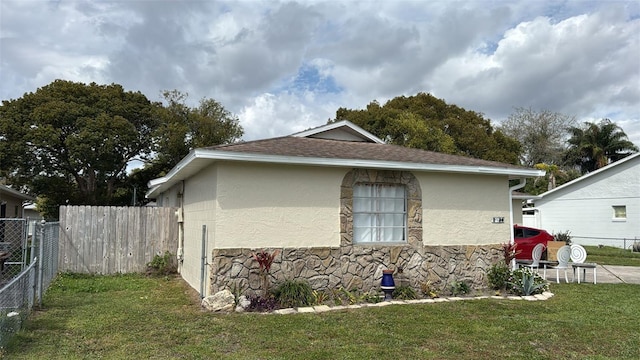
point(527, 238)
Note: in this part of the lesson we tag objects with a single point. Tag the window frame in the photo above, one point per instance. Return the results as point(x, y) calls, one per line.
point(615, 216)
point(378, 200)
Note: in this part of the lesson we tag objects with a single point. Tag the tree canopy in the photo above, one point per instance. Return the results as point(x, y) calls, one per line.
point(71, 133)
point(542, 134)
point(595, 145)
point(183, 128)
point(71, 143)
point(425, 122)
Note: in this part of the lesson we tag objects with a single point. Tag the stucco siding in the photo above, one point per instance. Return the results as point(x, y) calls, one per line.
point(199, 210)
point(458, 209)
point(516, 205)
point(277, 206)
point(586, 207)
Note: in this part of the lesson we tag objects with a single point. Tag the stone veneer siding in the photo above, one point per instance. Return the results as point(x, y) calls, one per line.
point(359, 266)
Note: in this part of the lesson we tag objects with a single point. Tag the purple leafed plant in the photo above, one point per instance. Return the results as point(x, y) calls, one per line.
point(509, 252)
point(265, 260)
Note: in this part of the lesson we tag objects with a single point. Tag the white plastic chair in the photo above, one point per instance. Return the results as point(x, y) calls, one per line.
point(564, 255)
point(536, 255)
point(578, 256)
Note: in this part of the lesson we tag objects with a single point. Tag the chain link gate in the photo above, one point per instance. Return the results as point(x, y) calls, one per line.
point(14, 248)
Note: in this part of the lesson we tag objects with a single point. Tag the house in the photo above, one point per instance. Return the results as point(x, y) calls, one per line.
point(600, 208)
point(11, 202)
point(340, 206)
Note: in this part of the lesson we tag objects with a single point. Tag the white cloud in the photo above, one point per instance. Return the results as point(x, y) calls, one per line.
point(578, 58)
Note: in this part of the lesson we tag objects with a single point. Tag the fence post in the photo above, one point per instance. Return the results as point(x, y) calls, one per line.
point(31, 301)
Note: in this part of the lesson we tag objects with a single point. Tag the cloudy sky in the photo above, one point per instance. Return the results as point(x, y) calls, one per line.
point(283, 67)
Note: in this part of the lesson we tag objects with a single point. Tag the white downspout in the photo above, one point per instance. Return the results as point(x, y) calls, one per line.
point(518, 186)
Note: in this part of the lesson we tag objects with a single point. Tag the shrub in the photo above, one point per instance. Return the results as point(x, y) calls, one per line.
point(294, 293)
point(498, 276)
point(162, 265)
point(527, 282)
point(404, 292)
point(459, 288)
point(563, 236)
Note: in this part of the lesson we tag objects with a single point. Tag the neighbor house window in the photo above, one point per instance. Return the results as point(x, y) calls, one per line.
point(379, 213)
point(619, 212)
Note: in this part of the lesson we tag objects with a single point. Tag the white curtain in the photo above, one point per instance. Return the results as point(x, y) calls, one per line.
point(379, 213)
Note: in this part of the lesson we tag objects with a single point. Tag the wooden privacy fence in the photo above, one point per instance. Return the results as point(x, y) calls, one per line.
point(111, 240)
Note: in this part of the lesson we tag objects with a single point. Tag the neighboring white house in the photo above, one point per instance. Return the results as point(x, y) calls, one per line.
point(339, 206)
point(602, 207)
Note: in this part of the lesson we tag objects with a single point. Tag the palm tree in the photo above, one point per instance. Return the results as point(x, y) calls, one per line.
point(596, 145)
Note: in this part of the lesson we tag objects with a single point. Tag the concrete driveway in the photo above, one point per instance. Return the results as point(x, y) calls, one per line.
point(606, 274)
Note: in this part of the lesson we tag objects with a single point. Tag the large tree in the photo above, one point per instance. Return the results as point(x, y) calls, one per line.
point(542, 134)
point(183, 128)
point(71, 143)
point(423, 121)
point(74, 138)
point(595, 145)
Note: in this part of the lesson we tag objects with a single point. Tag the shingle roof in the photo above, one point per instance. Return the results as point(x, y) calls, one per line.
point(341, 144)
point(336, 149)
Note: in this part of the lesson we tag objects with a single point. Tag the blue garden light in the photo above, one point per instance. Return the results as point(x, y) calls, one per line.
point(387, 284)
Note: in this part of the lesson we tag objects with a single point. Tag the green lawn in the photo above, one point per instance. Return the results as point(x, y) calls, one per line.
point(133, 317)
point(608, 255)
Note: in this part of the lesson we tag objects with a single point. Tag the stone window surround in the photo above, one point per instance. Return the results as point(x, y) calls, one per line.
point(390, 177)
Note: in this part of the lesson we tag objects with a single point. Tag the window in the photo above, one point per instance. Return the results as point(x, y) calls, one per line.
point(379, 213)
point(619, 212)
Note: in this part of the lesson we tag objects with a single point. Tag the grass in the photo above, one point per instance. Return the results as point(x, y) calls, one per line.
point(132, 317)
point(609, 255)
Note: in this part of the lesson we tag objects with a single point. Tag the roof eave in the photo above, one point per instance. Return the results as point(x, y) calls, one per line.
point(191, 164)
point(16, 193)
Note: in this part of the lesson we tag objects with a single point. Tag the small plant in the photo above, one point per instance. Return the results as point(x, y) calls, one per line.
point(162, 265)
point(237, 291)
point(428, 289)
point(294, 293)
point(509, 252)
point(259, 303)
point(563, 236)
point(319, 297)
point(265, 260)
point(351, 297)
point(527, 282)
point(404, 292)
point(498, 276)
point(459, 288)
point(372, 297)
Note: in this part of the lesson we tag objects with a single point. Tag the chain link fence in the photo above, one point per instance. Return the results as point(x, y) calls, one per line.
point(30, 263)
